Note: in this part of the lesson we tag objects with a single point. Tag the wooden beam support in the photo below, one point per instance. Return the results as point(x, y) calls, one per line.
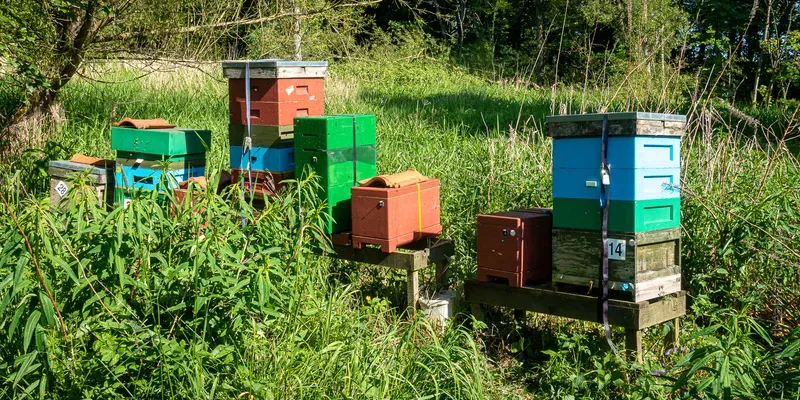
point(636, 316)
point(633, 345)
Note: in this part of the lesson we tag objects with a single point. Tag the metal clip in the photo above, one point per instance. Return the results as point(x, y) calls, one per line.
point(248, 143)
point(604, 177)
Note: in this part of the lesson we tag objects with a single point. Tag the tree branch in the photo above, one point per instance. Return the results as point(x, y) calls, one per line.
point(229, 24)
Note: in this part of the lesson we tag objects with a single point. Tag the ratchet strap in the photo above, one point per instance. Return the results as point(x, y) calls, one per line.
point(247, 144)
point(605, 181)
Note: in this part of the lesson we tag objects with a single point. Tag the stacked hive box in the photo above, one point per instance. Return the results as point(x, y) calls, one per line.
point(644, 202)
point(156, 159)
point(280, 90)
point(515, 246)
point(340, 149)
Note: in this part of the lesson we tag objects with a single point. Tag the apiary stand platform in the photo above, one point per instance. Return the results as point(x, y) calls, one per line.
point(410, 258)
point(634, 317)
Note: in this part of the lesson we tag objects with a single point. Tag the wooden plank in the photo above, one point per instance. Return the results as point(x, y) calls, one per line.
point(276, 73)
point(673, 338)
point(657, 287)
point(662, 310)
point(577, 306)
point(569, 305)
point(630, 127)
point(412, 281)
point(634, 345)
point(420, 256)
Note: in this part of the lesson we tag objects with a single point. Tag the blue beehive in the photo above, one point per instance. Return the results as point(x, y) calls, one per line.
point(268, 159)
point(644, 158)
point(643, 242)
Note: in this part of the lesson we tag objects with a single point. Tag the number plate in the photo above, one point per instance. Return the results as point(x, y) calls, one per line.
point(61, 188)
point(616, 249)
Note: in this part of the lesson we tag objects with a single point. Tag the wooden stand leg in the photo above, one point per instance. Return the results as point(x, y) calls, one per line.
point(477, 311)
point(519, 316)
point(441, 274)
point(673, 339)
point(413, 291)
point(633, 344)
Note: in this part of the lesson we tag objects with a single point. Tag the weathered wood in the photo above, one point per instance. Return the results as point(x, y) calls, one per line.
point(478, 311)
point(412, 280)
point(649, 256)
point(442, 281)
point(577, 306)
point(276, 73)
point(619, 124)
point(634, 344)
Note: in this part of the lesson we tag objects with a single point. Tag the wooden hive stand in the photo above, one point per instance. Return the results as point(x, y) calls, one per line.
point(634, 317)
point(411, 258)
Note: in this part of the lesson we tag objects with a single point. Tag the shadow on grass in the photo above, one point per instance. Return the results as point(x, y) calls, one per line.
point(475, 113)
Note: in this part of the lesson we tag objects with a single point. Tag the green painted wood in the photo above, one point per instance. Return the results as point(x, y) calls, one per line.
point(338, 206)
point(577, 306)
point(619, 124)
point(335, 167)
point(160, 157)
point(623, 215)
point(165, 142)
point(334, 131)
point(168, 164)
point(262, 135)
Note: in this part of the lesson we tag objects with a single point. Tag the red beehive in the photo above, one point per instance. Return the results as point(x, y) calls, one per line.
point(392, 217)
point(264, 183)
point(515, 246)
point(278, 90)
point(274, 113)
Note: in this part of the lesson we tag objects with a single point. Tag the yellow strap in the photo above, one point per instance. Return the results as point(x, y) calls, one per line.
point(419, 208)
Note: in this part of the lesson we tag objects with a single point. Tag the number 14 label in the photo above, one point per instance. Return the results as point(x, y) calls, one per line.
point(616, 249)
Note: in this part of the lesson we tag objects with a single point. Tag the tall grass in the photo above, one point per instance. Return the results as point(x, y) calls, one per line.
point(158, 306)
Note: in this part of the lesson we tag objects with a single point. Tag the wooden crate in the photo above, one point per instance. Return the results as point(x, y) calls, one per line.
point(275, 69)
point(273, 112)
point(261, 135)
point(273, 159)
point(623, 216)
point(619, 124)
point(278, 90)
point(131, 174)
point(335, 131)
point(646, 265)
point(161, 142)
point(515, 246)
point(62, 172)
point(392, 217)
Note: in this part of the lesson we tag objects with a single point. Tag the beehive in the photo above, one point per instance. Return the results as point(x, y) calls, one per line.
point(156, 159)
point(62, 173)
point(340, 149)
point(261, 135)
point(644, 201)
point(392, 217)
point(263, 183)
point(514, 247)
point(264, 159)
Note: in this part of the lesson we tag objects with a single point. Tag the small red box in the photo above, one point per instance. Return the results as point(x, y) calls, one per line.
point(278, 90)
point(274, 113)
point(392, 217)
point(515, 246)
point(264, 183)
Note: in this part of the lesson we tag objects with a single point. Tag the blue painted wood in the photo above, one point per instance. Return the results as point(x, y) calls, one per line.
point(626, 184)
point(271, 159)
point(128, 177)
point(623, 152)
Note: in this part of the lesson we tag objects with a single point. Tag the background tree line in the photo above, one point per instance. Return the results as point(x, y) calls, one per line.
point(745, 51)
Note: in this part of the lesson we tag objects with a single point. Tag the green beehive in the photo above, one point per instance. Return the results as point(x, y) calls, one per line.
point(164, 142)
point(334, 131)
point(340, 149)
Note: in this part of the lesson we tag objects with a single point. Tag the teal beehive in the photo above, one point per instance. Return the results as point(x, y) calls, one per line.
point(643, 155)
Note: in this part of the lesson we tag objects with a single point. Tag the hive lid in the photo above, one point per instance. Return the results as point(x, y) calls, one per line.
point(71, 166)
point(274, 69)
point(165, 142)
point(616, 116)
point(619, 124)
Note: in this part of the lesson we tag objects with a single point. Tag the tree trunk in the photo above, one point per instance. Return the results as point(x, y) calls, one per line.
point(298, 35)
point(756, 81)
